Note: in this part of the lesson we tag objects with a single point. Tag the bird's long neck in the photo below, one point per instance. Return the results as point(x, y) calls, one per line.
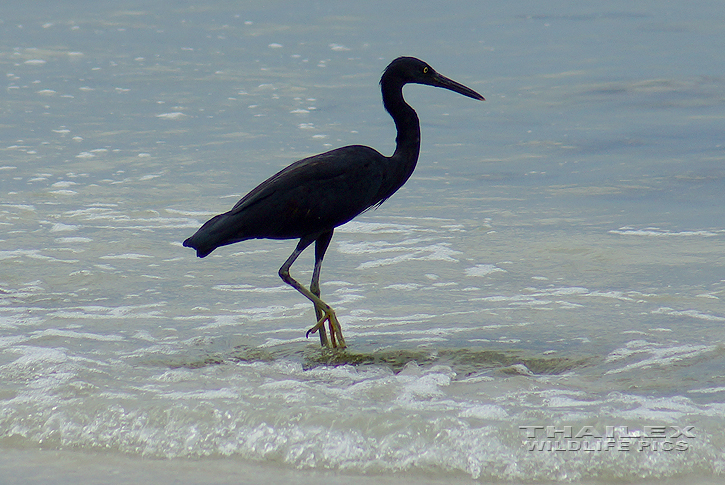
point(407, 143)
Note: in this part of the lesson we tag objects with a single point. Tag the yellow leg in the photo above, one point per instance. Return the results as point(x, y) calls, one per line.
point(323, 311)
point(336, 338)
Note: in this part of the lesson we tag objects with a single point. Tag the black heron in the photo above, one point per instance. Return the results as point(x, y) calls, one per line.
point(310, 198)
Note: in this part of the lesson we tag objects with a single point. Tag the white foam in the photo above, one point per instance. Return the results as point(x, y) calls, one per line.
point(354, 227)
point(652, 354)
point(73, 240)
point(176, 115)
point(688, 313)
point(126, 256)
point(483, 270)
point(657, 232)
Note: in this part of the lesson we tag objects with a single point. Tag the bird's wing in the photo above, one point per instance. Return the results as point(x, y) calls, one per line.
point(308, 198)
point(352, 171)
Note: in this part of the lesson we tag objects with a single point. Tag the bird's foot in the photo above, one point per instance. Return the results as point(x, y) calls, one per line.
point(336, 339)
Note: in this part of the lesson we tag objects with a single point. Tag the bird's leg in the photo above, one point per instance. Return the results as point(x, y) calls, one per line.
point(321, 245)
point(328, 314)
point(319, 315)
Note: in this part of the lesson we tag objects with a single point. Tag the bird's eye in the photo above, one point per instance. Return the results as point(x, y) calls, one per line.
point(425, 70)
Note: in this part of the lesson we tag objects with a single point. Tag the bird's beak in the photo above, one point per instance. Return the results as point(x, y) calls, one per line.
point(441, 81)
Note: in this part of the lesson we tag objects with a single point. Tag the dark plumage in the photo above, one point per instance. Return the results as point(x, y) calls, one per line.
point(310, 198)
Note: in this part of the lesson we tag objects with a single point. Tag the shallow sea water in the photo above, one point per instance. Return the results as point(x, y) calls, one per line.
point(542, 301)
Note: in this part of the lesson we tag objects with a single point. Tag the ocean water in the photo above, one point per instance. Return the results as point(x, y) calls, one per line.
point(543, 301)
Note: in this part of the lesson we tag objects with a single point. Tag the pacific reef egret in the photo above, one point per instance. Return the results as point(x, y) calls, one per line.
point(310, 198)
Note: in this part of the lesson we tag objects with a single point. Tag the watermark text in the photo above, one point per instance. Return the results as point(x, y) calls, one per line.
point(655, 438)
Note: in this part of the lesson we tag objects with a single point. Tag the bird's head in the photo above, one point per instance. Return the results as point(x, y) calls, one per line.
point(405, 70)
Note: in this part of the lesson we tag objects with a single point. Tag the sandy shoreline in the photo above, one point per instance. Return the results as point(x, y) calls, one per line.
point(67, 467)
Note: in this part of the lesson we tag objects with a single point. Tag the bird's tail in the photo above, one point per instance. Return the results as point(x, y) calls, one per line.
point(216, 232)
